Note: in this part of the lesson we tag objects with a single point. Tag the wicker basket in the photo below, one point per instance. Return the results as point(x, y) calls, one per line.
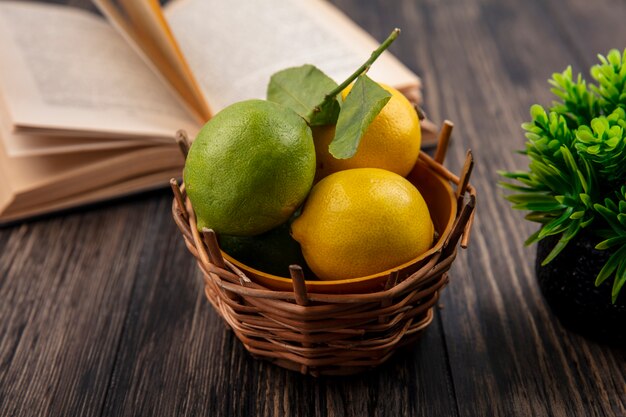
point(331, 333)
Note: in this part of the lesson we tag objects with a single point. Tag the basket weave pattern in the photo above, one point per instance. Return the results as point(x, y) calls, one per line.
point(327, 334)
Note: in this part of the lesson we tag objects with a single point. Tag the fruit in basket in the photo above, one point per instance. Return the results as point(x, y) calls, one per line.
point(362, 221)
point(271, 252)
point(345, 115)
point(392, 141)
point(250, 167)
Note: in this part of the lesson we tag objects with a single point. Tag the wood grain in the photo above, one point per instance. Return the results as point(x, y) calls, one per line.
point(102, 311)
point(509, 344)
point(65, 293)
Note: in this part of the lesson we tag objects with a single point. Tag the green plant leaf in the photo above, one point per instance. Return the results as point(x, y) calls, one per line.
point(610, 266)
point(304, 89)
point(611, 77)
point(577, 215)
point(538, 217)
point(532, 238)
point(363, 103)
point(514, 187)
point(537, 206)
point(587, 222)
point(557, 225)
point(567, 236)
point(325, 114)
point(549, 176)
point(609, 243)
point(585, 199)
point(609, 216)
point(620, 280)
point(533, 198)
point(516, 175)
point(603, 146)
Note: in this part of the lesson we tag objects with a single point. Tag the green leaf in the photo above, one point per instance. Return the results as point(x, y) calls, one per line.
point(570, 162)
point(610, 205)
point(610, 266)
point(608, 243)
point(585, 199)
point(514, 174)
point(532, 238)
point(562, 243)
point(304, 89)
point(514, 187)
point(532, 198)
point(549, 176)
point(611, 77)
point(620, 280)
point(587, 222)
point(325, 114)
point(361, 106)
point(537, 206)
point(609, 216)
point(557, 225)
point(538, 217)
point(536, 111)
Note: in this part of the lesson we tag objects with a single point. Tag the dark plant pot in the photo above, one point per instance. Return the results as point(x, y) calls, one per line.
point(568, 285)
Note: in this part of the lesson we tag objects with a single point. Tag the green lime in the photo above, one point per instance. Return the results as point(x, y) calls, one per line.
point(270, 252)
point(250, 167)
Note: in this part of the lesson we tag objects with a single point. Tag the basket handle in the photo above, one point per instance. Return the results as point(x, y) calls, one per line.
point(463, 187)
point(213, 248)
point(460, 226)
point(299, 286)
point(180, 202)
point(183, 142)
point(443, 141)
point(466, 173)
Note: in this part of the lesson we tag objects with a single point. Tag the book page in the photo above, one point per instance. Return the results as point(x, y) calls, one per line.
point(23, 145)
point(64, 68)
point(233, 49)
point(12, 210)
point(38, 180)
point(39, 142)
point(143, 27)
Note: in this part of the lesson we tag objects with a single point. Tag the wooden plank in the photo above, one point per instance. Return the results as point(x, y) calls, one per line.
point(508, 355)
point(588, 27)
point(64, 292)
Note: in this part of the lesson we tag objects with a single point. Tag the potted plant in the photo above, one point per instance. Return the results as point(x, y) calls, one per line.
point(575, 188)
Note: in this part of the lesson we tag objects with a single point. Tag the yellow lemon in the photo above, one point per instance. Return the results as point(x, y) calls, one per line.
point(392, 141)
point(360, 222)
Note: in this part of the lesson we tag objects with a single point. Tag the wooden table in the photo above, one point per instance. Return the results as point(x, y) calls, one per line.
point(102, 311)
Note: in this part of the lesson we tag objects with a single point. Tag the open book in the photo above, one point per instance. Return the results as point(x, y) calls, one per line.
point(89, 107)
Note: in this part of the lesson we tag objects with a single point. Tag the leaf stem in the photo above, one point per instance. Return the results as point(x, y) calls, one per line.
point(366, 65)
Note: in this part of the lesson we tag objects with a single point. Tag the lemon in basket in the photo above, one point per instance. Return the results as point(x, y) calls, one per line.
point(250, 167)
point(392, 141)
point(360, 222)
